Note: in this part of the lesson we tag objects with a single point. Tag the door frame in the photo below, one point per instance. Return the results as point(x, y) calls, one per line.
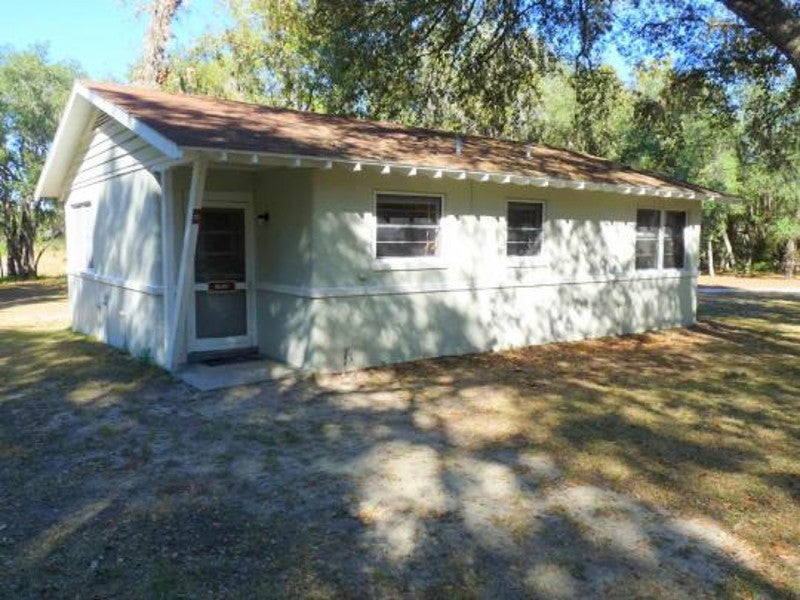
point(243, 201)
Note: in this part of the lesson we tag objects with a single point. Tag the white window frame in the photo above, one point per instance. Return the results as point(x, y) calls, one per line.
point(79, 248)
point(408, 263)
point(662, 221)
point(524, 261)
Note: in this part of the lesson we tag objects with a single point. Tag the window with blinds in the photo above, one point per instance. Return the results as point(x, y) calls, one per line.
point(524, 228)
point(407, 225)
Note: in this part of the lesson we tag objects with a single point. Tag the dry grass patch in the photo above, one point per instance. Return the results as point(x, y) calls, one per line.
point(654, 465)
point(698, 422)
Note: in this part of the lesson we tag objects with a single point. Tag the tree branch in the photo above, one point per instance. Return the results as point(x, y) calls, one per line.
point(776, 21)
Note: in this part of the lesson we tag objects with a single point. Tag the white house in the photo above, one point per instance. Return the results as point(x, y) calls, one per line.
point(197, 226)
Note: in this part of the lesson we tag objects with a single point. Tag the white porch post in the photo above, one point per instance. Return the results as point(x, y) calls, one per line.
point(184, 286)
point(167, 252)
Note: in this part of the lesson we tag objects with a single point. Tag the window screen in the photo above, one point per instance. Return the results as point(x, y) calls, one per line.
point(220, 251)
point(524, 236)
point(647, 226)
point(674, 224)
point(408, 225)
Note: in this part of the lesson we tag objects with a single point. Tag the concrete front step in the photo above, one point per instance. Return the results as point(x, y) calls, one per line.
point(204, 377)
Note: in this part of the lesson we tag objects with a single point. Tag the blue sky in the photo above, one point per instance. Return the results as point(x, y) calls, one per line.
point(104, 36)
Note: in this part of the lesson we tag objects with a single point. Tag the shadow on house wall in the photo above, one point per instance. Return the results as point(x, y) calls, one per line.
point(122, 246)
point(585, 288)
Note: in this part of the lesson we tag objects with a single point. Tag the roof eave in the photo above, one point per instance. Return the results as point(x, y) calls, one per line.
point(72, 122)
point(71, 128)
point(254, 158)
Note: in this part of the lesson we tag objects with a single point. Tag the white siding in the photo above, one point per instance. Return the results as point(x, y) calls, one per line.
point(125, 318)
point(110, 150)
point(113, 230)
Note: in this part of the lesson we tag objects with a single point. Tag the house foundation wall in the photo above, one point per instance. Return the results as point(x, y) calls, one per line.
point(340, 333)
point(128, 319)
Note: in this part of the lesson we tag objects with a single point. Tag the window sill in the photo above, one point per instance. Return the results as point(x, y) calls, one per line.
point(421, 263)
point(524, 262)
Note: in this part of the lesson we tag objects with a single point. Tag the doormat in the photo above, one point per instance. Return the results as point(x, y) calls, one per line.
point(231, 360)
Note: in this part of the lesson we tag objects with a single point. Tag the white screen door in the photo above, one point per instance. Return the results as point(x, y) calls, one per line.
point(222, 305)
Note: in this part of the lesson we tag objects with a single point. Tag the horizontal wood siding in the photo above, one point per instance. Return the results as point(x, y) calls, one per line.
point(111, 150)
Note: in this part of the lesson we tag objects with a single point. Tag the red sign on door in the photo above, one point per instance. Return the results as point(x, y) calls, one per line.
point(222, 286)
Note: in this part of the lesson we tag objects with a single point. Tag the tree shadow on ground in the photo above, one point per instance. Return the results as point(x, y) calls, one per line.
point(614, 467)
point(21, 292)
point(772, 307)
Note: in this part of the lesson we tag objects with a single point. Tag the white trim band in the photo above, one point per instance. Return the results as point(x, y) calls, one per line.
point(127, 284)
point(321, 293)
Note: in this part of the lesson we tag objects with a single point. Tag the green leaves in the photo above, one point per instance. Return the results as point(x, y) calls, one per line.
point(723, 111)
point(268, 55)
point(33, 92)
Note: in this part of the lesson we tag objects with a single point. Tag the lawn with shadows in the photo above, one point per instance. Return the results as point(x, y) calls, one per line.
point(664, 464)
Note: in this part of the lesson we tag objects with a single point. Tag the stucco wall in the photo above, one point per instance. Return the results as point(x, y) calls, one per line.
point(324, 303)
point(355, 312)
point(284, 242)
point(283, 247)
point(586, 234)
point(283, 261)
point(357, 331)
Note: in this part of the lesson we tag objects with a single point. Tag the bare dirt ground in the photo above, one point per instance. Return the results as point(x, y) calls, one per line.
point(659, 465)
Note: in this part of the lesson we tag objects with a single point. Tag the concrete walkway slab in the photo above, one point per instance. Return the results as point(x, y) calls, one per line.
point(205, 378)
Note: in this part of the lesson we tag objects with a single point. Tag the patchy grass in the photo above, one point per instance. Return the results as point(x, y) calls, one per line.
point(53, 262)
point(661, 465)
point(754, 282)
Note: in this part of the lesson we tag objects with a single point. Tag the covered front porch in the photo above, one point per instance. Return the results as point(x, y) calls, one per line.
point(230, 230)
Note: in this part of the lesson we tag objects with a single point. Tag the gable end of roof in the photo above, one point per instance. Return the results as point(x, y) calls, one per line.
point(78, 117)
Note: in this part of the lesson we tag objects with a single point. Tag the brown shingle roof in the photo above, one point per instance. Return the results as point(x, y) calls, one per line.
point(205, 122)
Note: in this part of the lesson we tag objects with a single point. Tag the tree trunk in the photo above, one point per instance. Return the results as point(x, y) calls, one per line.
point(776, 21)
point(730, 259)
point(151, 70)
point(19, 229)
point(711, 259)
point(790, 260)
